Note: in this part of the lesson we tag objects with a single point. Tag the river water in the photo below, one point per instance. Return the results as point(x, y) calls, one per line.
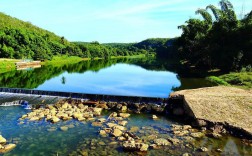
point(113, 77)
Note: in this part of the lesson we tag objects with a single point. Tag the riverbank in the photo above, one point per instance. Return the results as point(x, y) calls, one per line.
point(221, 109)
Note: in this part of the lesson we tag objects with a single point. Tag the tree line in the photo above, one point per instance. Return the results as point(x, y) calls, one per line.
point(220, 40)
point(21, 40)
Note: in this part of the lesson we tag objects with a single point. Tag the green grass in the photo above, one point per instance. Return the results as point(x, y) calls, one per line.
point(60, 60)
point(241, 79)
point(7, 65)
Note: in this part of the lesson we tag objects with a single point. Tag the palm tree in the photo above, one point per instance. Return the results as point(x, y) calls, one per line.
point(207, 17)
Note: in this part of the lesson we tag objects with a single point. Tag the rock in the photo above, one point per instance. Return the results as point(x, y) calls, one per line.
point(154, 117)
point(134, 129)
point(77, 115)
point(101, 120)
point(186, 154)
point(176, 127)
point(132, 146)
point(110, 125)
point(116, 132)
point(154, 146)
point(186, 127)
point(181, 132)
point(64, 128)
point(7, 148)
point(35, 118)
point(124, 109)
point(102, 132)
point(55, 119)
point(1, 147)
point(203, 149)
point(97, 111)
point(65, 106)
point(97, 124)
point(124, 115)
point(197, 135)
point(121, 138)
point(162, 142)
point(122, 123)
point(218, 150)
point(214, 135)
point(2, 140)
point(101, 143)
point(119, 127)
point(174, 141)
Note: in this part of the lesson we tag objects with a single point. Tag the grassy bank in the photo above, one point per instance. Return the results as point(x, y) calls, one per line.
point(7, 65)
point(241, 80)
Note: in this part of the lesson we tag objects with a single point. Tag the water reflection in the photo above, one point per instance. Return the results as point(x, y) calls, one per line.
point(130, 77)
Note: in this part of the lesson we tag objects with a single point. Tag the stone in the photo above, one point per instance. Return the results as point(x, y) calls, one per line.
point(134, 129)
point(122, 123)
point(181, 132)
point(116, 132)
point(101, 143)
point(64, 128)
point(77, 115)
point(154, 117)
point(162, 142)
point(110, 125)
point(119, 127)
point(132, 146)
point(214, 135)
point(121, 138)
point(186, 127)
point(1, 147)
point(186, 154)
point(102, 132)
point(174, 141)
point(2, 140)
point(65, 106)
point(124, 115)
point(35, 118)
point(197, 134)
point(203, 149)
point(154, 146)
point(55, 119)
point(101, 120)
point(124, 109)
point(7, 148)
point(97, 124)
point(97, 111)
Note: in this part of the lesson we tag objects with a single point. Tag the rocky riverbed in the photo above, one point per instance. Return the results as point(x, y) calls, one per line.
point(4, 146)
point(117, 132)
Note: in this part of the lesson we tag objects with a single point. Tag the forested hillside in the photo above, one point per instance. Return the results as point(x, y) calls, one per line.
point(21, 40)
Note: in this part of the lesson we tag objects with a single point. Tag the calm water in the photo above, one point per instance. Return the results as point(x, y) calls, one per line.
point(43, 138)
point(129, 77)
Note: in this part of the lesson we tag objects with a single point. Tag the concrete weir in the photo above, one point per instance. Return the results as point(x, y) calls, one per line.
point(221, 109)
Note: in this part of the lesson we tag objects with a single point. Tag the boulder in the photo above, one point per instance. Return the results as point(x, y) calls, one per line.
point(55, 119)
point(102, 132)
point(174, 141)
point(124, 115)
point(162, 142)
point(197, 135)
point(35, 118)
point(63, 128)
point(124, 109)
point(132, 146)
point(203, 149)
point(154, 117)
point(2, 140)
point(7, 148)
point(97, 124)
point(122, 123)
point(97, 111)
point(116, 132)
point(110, 125)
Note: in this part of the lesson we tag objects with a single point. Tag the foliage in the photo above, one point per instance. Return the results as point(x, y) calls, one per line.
point(21, 40)
point(224, 43)
point(241, 79)
point(217, 80)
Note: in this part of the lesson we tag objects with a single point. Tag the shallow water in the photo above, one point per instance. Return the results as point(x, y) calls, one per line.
point(44, 138)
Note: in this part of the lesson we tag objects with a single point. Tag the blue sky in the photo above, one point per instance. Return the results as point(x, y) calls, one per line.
point(111, 20)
